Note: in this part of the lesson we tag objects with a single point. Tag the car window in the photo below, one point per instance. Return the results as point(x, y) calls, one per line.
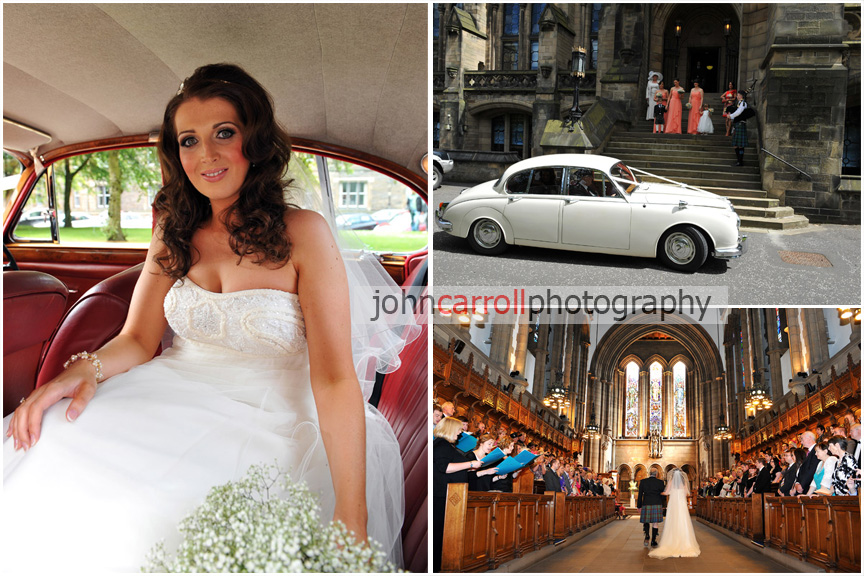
point(98, 197)
point(518, 183)
point(588, 182)
point(546, 181)
point(12, 169)
point(622, 175)
point(373, 211)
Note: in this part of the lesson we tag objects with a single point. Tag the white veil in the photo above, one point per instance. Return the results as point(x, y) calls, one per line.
point(678, 482)
point(382, 321)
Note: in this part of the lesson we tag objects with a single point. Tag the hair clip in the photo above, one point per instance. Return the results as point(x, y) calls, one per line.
point(182, 84)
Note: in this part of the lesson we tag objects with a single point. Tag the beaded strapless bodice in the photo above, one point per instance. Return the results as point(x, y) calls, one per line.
point(260, 322)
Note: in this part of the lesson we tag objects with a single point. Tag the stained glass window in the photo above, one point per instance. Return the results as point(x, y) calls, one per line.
point(779, 327)
point(536, 11)
point(743, 381)
point(631, 411)
point(655, 402)
point(679, 423)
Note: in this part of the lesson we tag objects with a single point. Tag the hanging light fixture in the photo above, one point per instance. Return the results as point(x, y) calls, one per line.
point(592, 429)
point(558, 397)
point(848, 315)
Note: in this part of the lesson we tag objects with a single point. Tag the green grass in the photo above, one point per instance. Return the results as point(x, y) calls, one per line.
point(399, 242)
point(80, 234)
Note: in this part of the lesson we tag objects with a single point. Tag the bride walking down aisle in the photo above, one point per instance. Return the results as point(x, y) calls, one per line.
point(678, 538)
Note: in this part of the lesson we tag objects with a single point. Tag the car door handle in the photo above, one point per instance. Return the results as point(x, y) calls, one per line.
point(512, 199)
point(568, 201)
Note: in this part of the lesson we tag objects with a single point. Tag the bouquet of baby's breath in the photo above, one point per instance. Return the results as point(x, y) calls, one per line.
point(265, 522)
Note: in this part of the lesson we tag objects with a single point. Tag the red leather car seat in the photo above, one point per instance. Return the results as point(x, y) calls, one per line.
point(404, 402)
point(33, 303)
point(95, 319)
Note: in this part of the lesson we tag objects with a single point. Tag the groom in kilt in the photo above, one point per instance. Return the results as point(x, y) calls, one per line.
point(650, 504)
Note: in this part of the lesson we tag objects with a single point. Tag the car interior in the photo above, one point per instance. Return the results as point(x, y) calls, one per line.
point(349, 86)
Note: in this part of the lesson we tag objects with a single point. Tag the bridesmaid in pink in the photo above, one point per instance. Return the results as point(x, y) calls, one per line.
point(695, 108)
point(673, 116)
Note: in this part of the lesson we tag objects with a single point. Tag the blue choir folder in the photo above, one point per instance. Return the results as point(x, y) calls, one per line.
point(512, 464)
point(466, 442)
point(493, 456)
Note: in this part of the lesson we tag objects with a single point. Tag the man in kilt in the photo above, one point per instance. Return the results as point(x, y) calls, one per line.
point(739, 128)
point(650, 504)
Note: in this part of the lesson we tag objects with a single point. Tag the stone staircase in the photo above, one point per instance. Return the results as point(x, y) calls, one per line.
point(708, 162)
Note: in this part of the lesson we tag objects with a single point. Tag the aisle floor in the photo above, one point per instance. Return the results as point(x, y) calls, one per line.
point(618, 547)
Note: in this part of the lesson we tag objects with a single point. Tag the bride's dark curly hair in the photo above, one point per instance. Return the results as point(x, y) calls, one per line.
point(255, 222)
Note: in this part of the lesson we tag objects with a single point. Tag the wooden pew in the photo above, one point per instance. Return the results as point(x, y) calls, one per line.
point(823, 530)
point(485, 529)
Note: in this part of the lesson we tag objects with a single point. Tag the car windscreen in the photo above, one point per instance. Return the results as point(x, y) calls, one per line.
point(623, 177)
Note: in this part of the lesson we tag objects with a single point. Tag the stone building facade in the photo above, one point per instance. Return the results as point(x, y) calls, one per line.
point(682, 377)
point(502, 72)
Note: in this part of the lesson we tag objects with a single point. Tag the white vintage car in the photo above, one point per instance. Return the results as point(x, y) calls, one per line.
point(594, 204)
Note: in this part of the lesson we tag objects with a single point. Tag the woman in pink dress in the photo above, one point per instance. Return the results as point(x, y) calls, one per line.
point(673, 116)
point(695, 108)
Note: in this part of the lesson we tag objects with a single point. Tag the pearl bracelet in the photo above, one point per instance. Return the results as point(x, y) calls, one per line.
point(92, 358)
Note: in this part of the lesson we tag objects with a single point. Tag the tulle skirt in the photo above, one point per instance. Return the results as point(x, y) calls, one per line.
point(678, 538)
point(98, 493)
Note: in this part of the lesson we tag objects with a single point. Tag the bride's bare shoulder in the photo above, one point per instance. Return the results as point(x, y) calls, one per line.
point(307, 230)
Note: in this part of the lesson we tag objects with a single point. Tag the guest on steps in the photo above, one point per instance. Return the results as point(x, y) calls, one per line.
point(673, 115)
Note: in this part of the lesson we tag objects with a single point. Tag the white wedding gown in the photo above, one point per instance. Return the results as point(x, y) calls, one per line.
point(678, 538)
point(233, 391)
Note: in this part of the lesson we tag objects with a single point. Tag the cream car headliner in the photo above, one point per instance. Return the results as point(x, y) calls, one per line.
point(353, 75)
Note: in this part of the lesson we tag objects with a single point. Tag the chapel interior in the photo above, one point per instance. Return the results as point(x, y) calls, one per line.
point(625, 396)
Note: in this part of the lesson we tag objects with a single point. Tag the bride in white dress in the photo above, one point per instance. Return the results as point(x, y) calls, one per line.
point(678, 538)
point(261, 368)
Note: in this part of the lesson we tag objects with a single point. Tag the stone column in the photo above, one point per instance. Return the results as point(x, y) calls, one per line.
point(775, 351)
point(805, 68)
point(541, 355)
point(644, 386)
point(583, 383)
point(501, 336)
point(493, 52)
point(521, 349)
point(817, 336)
point(524, 56)
point(757, 345)
point(668, 404)
point(556, 357)
point(797, 342)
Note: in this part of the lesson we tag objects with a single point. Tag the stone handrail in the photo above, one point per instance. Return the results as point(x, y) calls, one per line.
point(500, 80)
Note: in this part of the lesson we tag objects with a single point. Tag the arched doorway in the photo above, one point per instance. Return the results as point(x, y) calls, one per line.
point(701, 41)
point(640, 473)
point(669, 467)
point(691, 474)
point(624, 477)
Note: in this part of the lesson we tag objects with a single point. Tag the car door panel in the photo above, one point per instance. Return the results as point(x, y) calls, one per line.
point(596, 222)
point(78, 268)
point(534, 217)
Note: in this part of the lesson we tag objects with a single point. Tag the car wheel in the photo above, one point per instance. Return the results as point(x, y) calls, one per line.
point(437, 177)
point(683, 249)
point(486, 237)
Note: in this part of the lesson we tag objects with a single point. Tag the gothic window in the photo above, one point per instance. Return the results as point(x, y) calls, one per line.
point(511, 19)
point(631, 410)
point(510, 55)
point(508, 133)
point(595, 30)
point(536, 11)
point(779, 325)
point(436, 131)
point(679, 423)
point(436, 20)
point(741, 349)
point(852, 142)
point(655, 398)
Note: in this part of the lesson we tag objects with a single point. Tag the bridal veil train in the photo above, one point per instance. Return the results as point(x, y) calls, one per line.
point(678, 538)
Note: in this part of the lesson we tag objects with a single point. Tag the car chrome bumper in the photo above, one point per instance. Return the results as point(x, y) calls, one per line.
point(443, 224)
point(729, 253)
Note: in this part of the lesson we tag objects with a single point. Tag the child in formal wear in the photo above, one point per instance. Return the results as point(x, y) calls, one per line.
point(705, 126)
